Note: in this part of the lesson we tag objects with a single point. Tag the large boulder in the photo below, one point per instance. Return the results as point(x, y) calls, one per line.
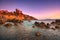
point(42, 25)
point(37, 24)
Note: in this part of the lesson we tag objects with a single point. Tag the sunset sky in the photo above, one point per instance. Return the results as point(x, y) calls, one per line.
point(40, 9)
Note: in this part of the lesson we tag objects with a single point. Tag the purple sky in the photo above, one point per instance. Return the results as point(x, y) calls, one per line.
point(40, 9)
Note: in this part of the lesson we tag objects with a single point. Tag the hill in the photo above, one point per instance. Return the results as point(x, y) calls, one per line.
point(17, 14)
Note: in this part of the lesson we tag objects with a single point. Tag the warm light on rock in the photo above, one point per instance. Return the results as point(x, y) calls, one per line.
point(14, 15)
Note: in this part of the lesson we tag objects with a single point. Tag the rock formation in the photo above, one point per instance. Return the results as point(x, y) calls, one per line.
point(5, 15)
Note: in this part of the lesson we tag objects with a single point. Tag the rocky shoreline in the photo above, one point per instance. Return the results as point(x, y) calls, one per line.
point(18, 31)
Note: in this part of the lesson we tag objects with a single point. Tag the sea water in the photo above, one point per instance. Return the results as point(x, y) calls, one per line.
point(25, 31)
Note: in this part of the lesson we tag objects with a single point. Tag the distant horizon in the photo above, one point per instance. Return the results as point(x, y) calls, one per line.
point(40, 9)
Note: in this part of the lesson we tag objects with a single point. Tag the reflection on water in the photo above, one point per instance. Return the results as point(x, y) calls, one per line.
point(26, 32)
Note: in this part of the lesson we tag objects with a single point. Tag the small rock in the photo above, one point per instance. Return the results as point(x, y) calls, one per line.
point(33, 26)
point(57, 27)
point(48, 25)
point(15, 24)
point(53, 28)
point(29, 21)
point(38, 33)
